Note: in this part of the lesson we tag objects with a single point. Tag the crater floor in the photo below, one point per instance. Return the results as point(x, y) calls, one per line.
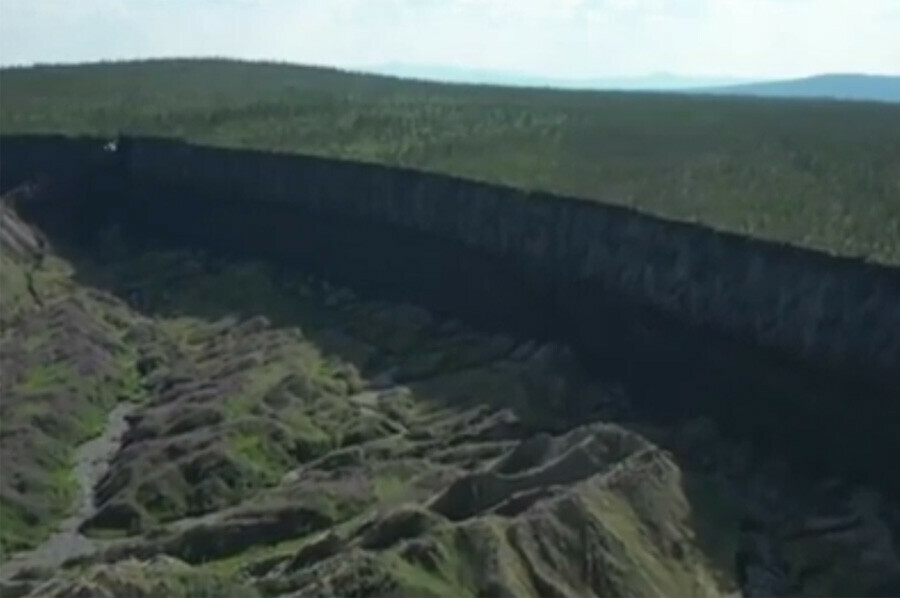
point(175, 424)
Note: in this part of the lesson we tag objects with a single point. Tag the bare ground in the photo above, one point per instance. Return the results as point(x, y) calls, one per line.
point(252, 430)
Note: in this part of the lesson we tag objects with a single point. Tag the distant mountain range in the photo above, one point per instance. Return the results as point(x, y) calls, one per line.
point(449, 74)
point(882, 88)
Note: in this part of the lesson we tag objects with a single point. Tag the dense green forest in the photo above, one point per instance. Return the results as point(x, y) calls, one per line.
point(821, 174)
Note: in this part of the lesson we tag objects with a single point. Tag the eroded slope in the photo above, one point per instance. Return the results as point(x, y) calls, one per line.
point(288, 438)
point(65, 364)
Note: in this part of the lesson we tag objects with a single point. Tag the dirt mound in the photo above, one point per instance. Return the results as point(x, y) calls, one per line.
point(574, 457)
point(227, 417)
point(161, 576)
point(618, 531)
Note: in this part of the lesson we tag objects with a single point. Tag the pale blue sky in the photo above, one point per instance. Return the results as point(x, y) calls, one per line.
point(562, 38)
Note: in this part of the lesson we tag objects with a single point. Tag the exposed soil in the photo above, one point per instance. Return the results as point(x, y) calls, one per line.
point(263, 432)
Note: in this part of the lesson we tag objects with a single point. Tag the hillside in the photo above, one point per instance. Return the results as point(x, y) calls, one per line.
point(875, 88)
point(368, 453)
point(819, 174)
point(259, 431)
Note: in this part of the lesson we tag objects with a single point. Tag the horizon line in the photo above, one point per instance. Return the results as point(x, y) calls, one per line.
point(374, 69)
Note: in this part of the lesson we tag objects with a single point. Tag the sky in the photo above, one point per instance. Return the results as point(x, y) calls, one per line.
point(558, 38)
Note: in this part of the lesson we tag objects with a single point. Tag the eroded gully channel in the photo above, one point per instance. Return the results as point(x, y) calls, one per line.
point(90, 464)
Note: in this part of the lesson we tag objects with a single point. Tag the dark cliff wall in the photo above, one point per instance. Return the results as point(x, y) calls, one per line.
point(776, 342)
point(77, 172)
point(27, 158)
point(840, 312)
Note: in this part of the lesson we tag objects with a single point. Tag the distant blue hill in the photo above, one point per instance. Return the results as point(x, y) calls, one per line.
point(883, 88)
point(449, 74)
point(880, 88)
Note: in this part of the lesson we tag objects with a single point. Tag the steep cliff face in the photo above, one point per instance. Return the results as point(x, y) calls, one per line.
point(834, 311)
point(79, 174)
point(771, 340)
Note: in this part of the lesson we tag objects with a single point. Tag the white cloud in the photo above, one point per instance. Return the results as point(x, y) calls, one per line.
point(754, 38)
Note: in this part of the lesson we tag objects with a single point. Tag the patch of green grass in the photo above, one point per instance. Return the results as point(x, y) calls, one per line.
point(313, 435)
point(106, 533)
point(201, 584)
point(32, 409)
point(15, 533)
point(12, 275)
point(92, 420)
point(415, 581)
point(161, 577)
point(257, 451)
point(48, 281)
point(389, 487)
point(303, 427)
point(37, 340)
point(15, 297)
point(254, 387)
point(461, 558)
point(55, 496)
point(185, 331)
point(232, 565)
point(63, 486)
point(650, 567)
point(44, 376)
point(130, 383)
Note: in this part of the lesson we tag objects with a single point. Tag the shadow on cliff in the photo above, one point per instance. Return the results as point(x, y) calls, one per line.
point(777, 404)
point(119, 242)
